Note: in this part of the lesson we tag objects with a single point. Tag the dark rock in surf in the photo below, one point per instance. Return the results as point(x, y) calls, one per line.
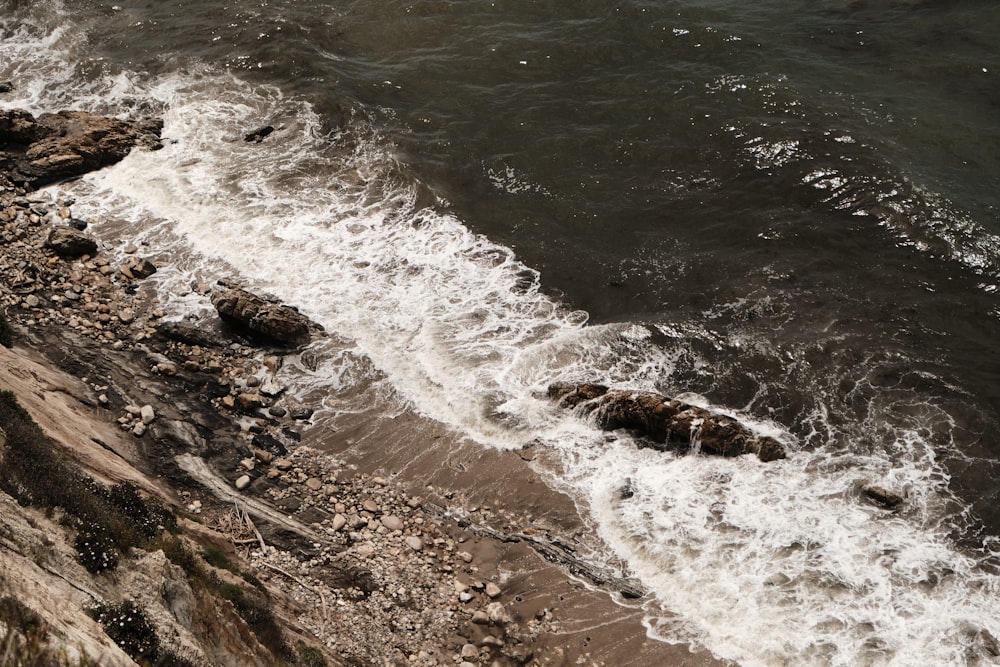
point(258, 135)
point(6, 86)
point(668, 423)
point(884, 497)
point(54, 147)
point(570, 395)
point(260, 316)
point(202, 333)
point(68, 242)
point(269, 443)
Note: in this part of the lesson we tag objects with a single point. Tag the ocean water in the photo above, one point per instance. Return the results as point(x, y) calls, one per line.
point(787, 211)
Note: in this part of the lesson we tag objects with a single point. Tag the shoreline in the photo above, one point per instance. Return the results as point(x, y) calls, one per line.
point(447, 545)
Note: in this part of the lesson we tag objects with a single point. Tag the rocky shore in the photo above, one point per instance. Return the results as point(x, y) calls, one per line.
point(358, 560)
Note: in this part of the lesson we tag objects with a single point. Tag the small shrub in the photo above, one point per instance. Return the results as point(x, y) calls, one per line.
point(96, 551)
point(310, 656)
point(177, 553)
point(217, 558)
point(19, 617)
point(254, 608)
point(129, 627)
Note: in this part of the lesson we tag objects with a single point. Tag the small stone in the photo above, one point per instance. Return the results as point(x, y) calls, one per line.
point(277, 411)
point(461, 586)
point(243, 482)
point(339, 521)
point(301, 414)
point(469, 652)
point(283, 464)
point(249, 402)
point(147, 414)
point(314, 484)
point(492, 590)
point(263, 456)
point(464, 556)
point(126, 315)
point(490, 640)
point(392, 522)
point(139, 430)
point(103, 399)
point(498, 614)
point(414, 543)
point(31, 301)
point(480, 617)
point(370, 506)
point(249, 464)
point(466, 596)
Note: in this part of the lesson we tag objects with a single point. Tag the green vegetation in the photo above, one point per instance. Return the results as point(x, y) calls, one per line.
point(310, 656)
point(108, 521)
point(127, 625)
point(254, 607)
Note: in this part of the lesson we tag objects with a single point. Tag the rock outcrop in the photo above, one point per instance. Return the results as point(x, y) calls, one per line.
point(668, 423)
point(262, 317)
point(54, 147)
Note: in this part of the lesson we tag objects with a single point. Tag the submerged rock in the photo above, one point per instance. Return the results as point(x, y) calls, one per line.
point(667, 422)
point(258, 135)
point(881, 496)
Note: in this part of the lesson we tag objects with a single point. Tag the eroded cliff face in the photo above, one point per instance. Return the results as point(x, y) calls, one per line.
point(189, 604)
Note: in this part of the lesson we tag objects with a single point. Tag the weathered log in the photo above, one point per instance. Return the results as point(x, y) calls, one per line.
point(667, 422)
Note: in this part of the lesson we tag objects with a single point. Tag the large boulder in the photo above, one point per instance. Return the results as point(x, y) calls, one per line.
point(262, 316)
point(667, 422)
point(68, 242)
point(53, 147)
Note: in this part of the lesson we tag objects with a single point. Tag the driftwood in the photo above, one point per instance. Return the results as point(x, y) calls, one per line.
point(552, 549)
point(668, 423)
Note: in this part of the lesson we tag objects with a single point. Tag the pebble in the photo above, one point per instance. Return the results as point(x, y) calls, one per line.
point(414, 543)
point(243, 482)
point(392, 522)
point(370, 506)
point(469, 652)
point(480, 617)
point(146, 414)
point(492, 590)
point(139, 430)
point(126, 315)
point(498, 613)
point(339, 521)
point(314, 484)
